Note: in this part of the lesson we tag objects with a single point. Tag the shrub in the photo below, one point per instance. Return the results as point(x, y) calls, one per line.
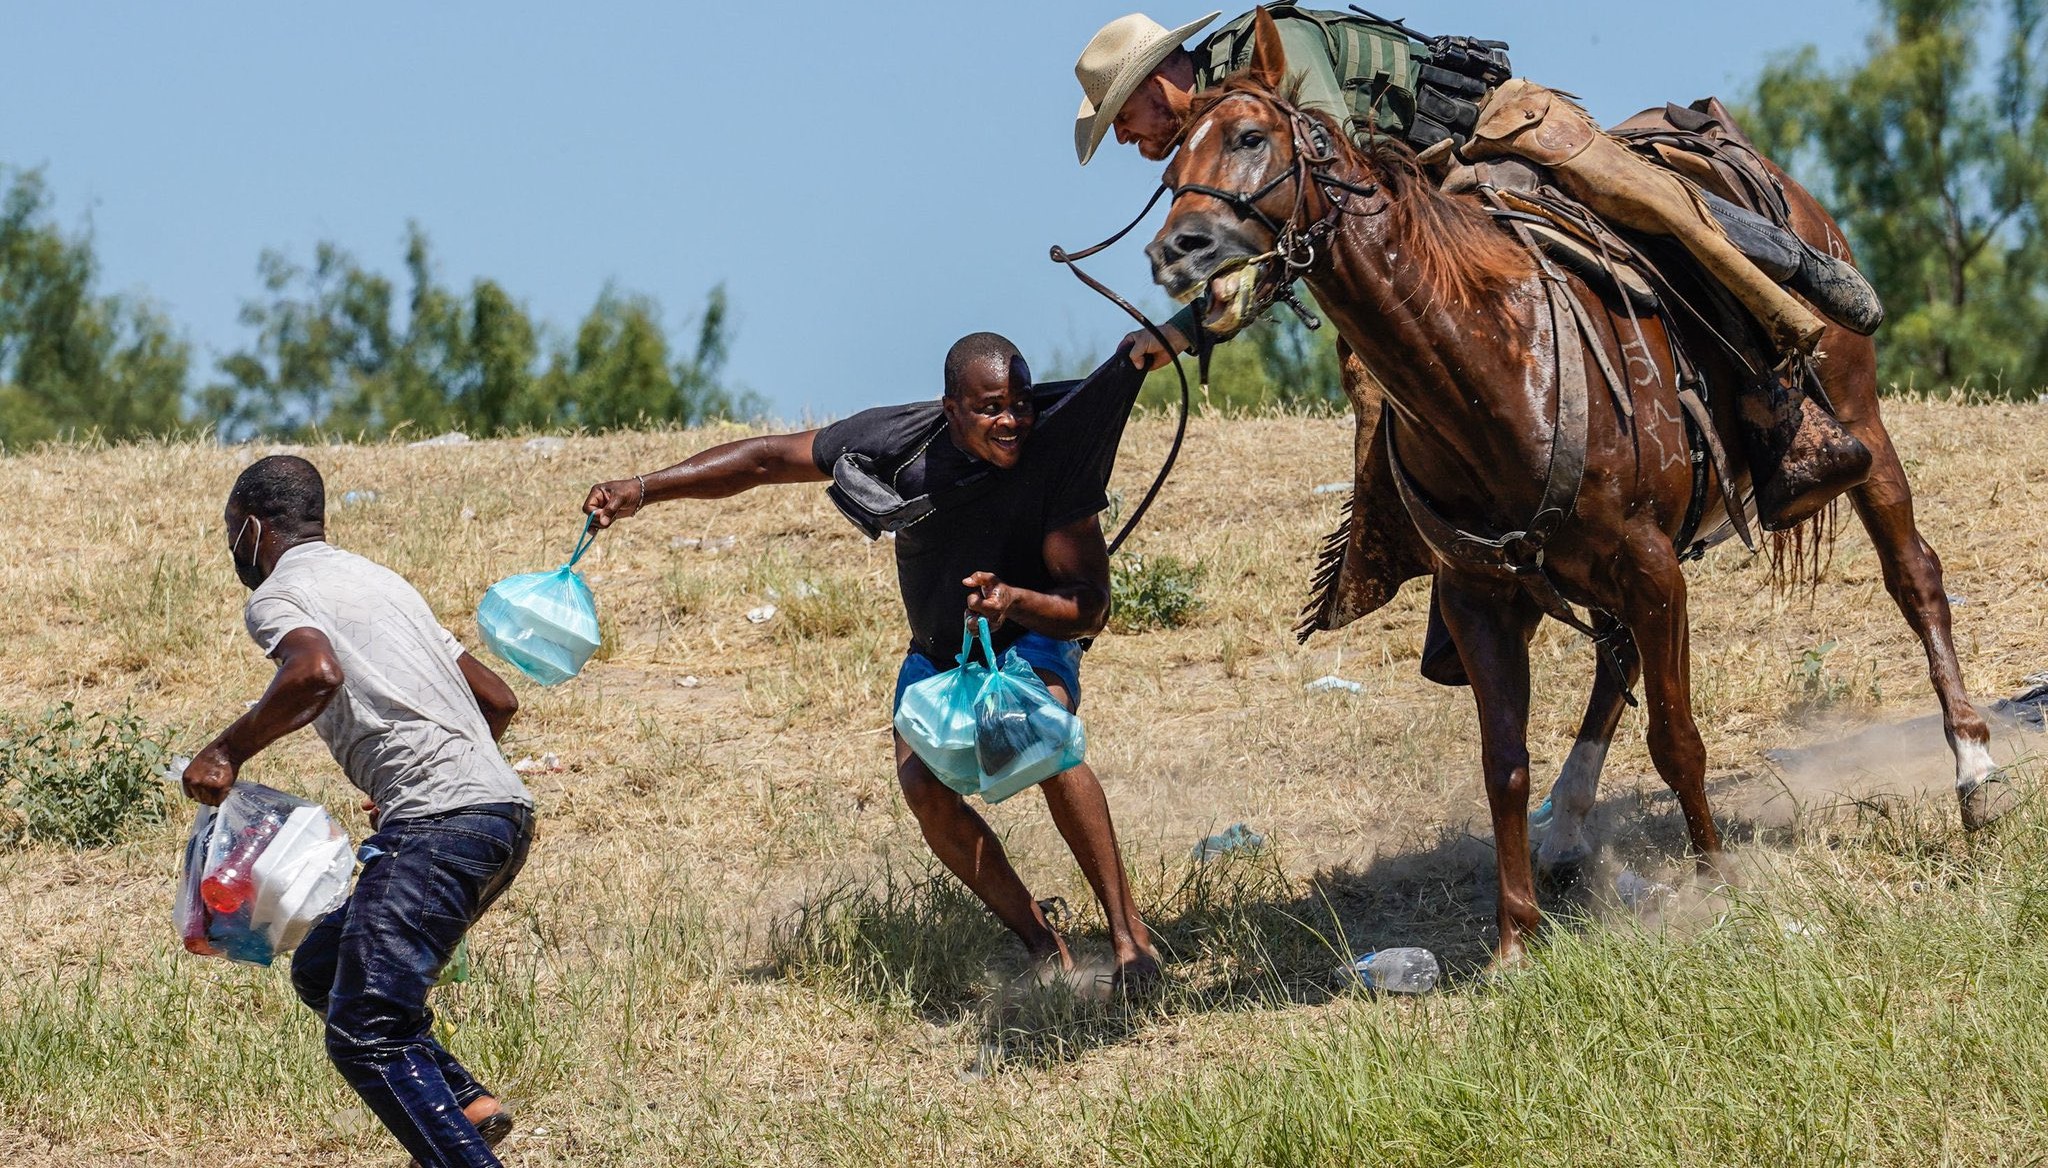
point(79, 780)
point(1152, 592)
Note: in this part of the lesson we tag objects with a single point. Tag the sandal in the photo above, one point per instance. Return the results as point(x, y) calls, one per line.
point(493, 1128)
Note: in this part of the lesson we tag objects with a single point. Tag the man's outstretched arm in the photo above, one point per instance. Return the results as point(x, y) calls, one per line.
point(308, 676)
point(716, 473)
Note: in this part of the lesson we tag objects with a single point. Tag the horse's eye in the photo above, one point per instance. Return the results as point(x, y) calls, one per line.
point(1251, 139)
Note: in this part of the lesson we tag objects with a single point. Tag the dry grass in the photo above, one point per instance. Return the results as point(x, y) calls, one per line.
point(727, 947)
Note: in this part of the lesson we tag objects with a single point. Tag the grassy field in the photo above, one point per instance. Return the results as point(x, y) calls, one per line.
point(728, 948)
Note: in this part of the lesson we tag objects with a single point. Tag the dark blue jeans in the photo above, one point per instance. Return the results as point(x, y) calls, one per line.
point(366, 968)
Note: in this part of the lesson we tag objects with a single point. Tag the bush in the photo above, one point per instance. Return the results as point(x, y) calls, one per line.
point(1152, 592)
point(79, 781)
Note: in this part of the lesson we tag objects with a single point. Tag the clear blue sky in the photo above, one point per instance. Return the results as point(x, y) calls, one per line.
point(871, 180)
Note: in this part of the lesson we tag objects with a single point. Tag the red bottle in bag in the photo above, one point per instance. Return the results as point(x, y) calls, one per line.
point(233, 881)
point(195, 933)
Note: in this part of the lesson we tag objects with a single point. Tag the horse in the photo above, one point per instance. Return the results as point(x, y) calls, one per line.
point(1478, 346)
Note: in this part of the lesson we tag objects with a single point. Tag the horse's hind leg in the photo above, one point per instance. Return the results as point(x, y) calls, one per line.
point(1912, 574)
point(1655, 604)
point(1565, 847)
point(1492, 628)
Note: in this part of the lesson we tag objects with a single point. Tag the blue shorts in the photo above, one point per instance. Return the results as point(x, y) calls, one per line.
point(1062, 659)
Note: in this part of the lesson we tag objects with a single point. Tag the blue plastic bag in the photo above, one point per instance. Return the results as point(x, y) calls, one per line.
point(544, 623)
point(1022, 734)
point(936, 717)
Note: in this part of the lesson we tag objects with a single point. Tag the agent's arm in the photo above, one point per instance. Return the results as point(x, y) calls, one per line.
point(493, 696)
point(308, 676)
point(1076, 606)
point(716, 473)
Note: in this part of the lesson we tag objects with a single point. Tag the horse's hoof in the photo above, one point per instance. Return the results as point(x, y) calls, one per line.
point(1987, 801)
point(1564, 871)
point(1502, 968)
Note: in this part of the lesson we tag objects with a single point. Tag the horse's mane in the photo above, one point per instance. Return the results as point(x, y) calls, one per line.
point(1450, 242)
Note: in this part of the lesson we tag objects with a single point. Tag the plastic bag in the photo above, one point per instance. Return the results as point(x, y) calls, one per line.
point(1022, 734)
point(544, 623)
point(936, 717)
point(260, 871)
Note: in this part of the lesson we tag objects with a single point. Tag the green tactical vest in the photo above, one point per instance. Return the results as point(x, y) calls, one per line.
point(1376, 67)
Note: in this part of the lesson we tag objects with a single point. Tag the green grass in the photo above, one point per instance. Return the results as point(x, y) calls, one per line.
point(1839, 1018)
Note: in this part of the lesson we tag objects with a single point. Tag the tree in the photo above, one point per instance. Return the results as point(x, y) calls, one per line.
point(73, 362)
point(1933, 153)
point(332, 354)
point(1276, 363)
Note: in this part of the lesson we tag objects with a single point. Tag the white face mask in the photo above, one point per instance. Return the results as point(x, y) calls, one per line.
point(249, 571)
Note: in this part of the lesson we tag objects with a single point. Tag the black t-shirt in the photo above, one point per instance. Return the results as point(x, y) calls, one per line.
point(999, 522)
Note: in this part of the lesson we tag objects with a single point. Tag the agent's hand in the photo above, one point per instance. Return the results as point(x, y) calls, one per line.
point(1146, 352)
point(615, 500)
point(209, 776)
point(989, 597)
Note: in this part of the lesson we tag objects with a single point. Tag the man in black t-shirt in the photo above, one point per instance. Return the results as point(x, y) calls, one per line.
point(993, 493)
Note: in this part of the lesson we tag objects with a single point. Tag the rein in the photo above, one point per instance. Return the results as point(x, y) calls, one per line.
point(1060, 255)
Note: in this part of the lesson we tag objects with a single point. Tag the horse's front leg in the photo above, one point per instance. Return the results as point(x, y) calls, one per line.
point(1491, 625)
point(1654, 608)
point(1565, 846)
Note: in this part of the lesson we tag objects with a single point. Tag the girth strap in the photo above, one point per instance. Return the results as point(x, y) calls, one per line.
point(1522, 552)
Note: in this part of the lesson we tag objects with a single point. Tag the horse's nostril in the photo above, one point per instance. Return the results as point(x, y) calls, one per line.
point(1192, 242)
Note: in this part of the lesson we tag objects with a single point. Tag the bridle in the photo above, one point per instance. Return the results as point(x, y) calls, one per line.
point(1296, 246)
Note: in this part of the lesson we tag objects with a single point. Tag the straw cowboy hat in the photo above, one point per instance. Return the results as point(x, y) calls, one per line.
point(1114, 64)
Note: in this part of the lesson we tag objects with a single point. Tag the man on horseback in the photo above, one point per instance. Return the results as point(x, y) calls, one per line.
point(1454, 101)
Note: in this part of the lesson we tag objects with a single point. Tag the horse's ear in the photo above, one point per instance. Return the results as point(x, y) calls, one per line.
point(1268, 65)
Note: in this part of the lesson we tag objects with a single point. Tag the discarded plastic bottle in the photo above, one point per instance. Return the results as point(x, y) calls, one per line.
point(1397, 971)
point(1235, 838)
point(228, 887)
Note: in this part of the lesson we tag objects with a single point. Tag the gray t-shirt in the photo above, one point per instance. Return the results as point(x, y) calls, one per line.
point(405, 726)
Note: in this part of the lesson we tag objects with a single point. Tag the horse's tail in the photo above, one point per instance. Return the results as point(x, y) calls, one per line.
point(1800, 554)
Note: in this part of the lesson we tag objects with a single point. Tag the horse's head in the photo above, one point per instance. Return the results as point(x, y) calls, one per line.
point(1244, 192)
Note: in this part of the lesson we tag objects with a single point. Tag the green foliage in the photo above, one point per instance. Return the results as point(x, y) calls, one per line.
point(1933, 153)
point(332, 353)
point(1152, 592)
point(79, 781)
point(1275, 364)
point(73, 362)
point(1816, 687)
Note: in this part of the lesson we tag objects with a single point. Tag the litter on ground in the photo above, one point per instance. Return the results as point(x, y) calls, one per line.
point(451, 438)
point(1235, 838)
point(761, 615)
point(1330, 682)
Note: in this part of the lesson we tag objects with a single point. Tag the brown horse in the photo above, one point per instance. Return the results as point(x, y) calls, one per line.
point(1474, 344)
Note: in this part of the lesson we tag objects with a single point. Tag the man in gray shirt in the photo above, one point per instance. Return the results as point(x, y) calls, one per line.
point(413, 721)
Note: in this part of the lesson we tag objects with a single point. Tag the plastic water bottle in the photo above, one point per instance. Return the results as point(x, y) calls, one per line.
point(228, 887)
point(1396, 971)
point(1235, 838)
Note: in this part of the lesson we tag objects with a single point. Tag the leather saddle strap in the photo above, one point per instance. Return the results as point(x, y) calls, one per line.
point(1521, 552)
